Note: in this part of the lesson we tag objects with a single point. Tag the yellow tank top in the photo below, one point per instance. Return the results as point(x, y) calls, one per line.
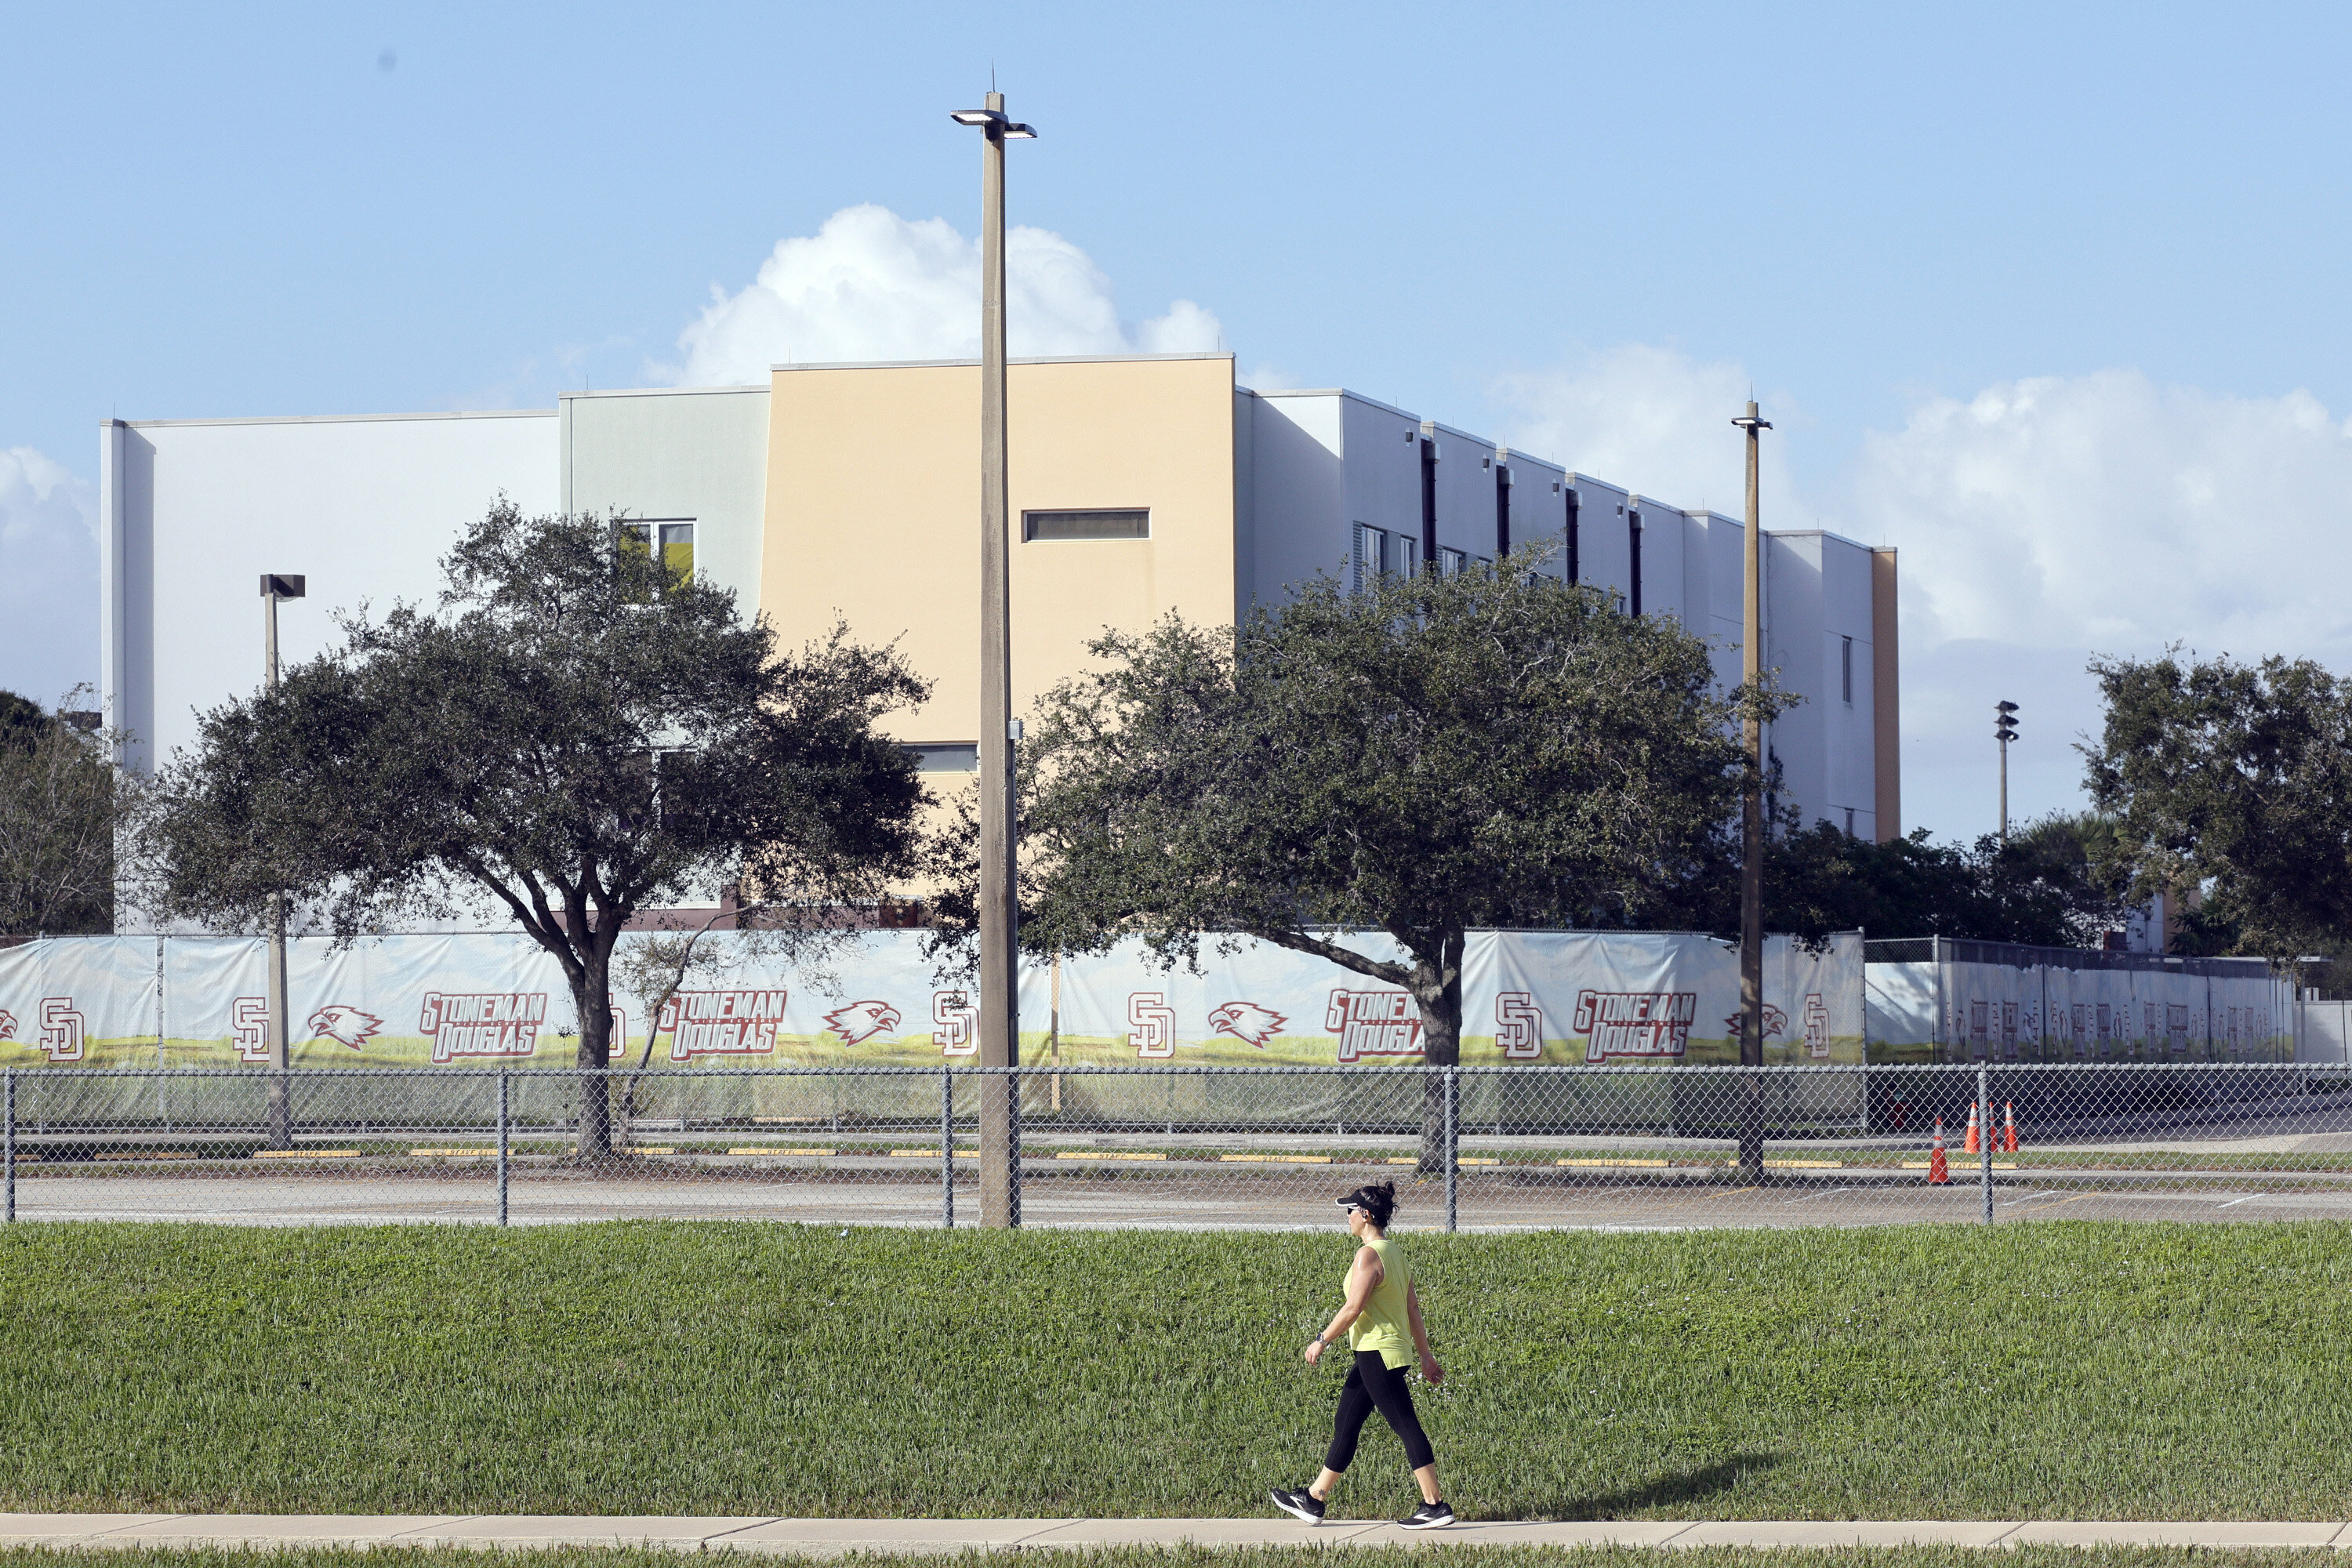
point(1385, 1326)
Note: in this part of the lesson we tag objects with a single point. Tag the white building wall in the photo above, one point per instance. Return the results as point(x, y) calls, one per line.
point(1297, 489)
point(1465, 492)
point(1659, 531)
point(1722, 563)
point(1816, 594)
point(1538, 508)
point(1604, 556)
point(194, 511)
point(1383, 477)
point(1849, 755)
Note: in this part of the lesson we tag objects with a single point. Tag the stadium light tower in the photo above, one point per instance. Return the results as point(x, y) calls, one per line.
point(1000, 1005)
point(2004, 730)
point(277, 585)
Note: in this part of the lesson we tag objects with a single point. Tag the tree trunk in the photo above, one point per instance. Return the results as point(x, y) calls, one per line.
point(592, 999)
point(1436, 987)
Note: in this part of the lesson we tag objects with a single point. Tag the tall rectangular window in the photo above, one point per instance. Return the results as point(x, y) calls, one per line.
point(1364, 557)
point(1845, 657)
point(669, 539)
point(1109, 522)
point(1634, 550)
point(1453, 563)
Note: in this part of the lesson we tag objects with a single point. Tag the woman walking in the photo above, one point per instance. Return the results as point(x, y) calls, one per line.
point(1381, 1317)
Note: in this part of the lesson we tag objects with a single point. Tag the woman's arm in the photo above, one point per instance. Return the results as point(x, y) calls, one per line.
point(1364, 1278)
point(1429, 1367)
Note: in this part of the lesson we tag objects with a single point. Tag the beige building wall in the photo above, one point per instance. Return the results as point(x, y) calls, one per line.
point(873, 512)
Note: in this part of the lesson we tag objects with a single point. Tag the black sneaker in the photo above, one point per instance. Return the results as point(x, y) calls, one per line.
point(1428, 1516)
point(1302, 1504)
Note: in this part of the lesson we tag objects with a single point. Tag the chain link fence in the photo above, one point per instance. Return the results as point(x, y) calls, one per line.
point(1206, 1148)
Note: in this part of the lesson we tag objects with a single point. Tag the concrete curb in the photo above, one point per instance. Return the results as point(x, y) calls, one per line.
point(835, 1537)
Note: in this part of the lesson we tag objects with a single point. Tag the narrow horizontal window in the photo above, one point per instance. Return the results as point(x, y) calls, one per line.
point(946, 757)
point(1126, 522)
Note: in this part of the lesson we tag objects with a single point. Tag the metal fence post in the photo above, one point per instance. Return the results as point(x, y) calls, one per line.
point(10, 1095)
point(947, 1149)
point(1984, 1141)
point(1013, 1148)
point(502, 1145)
point(1452, 1142)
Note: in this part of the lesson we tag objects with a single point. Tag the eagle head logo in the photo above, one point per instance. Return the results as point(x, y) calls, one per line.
point(862, 1021)
point(7, 1025)
point(1246, 1021)
point(349, 1024)
point(1775, 1022)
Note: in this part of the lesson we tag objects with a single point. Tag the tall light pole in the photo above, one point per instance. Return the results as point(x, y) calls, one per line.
point(1000, 998)
point(1752, 820)
point(2004, 730)
point(277, 585)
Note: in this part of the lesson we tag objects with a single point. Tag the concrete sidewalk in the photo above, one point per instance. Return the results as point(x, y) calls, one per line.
point(833, 1537)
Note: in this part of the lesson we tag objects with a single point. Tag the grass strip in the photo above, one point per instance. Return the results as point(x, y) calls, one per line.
point(2046, 1371)
point(1423, 1552)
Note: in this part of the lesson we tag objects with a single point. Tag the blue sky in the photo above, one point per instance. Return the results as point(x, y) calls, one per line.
point(2052, 299)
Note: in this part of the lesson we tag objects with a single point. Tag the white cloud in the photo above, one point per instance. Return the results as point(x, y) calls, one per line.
point(870, 285)
point(2104, 511)
point(2039, 521)
point(48, 576)
point(1653, 420)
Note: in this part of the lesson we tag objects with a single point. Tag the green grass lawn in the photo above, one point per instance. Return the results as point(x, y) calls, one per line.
point(2053, 1370)
point(1423, 1552)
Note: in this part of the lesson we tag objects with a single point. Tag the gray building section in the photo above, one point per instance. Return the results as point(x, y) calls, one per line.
point(695, 454)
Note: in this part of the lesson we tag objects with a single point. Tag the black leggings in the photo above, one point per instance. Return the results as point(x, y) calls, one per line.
point(1372, 1386)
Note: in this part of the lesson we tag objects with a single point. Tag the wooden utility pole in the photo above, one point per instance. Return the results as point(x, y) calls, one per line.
point(1752, 822)
point(999, 961)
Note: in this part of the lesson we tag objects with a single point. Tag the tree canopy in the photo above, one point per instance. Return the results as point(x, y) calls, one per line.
point(1431, 754)
point(575, 732)
point(62, 800)
point(2232, 781)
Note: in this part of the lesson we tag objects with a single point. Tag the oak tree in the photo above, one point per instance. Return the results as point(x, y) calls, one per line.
point(576, 732)
point(1426, 756)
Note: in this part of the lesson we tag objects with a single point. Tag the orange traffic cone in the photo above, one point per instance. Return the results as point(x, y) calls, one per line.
point(1939, 1172)
point(1973, 1145)
point(2009, 1129)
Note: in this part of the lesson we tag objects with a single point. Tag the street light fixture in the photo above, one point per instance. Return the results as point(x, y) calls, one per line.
point(2004, 730)
point(1000, 997)
point(1012, 130)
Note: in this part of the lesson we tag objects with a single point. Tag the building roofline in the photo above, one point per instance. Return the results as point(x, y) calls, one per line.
point(1814, 533)
point(1028, 359)
point(1506, 455)
point(656, 391)
point(1440, 428)
point(336, 418)
point(1341, 392)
